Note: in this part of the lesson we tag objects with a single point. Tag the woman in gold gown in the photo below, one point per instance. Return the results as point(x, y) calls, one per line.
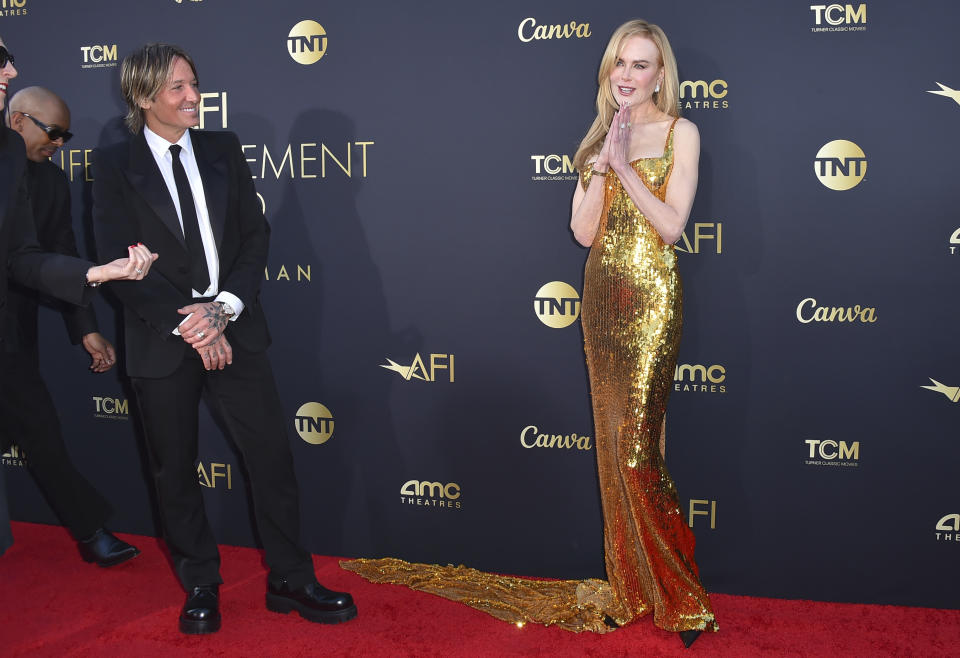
point(638, 176)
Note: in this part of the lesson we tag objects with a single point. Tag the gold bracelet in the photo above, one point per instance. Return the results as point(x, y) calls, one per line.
point(599, 173)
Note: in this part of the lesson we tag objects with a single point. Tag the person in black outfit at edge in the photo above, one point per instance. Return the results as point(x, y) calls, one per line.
point(65, 277)
point(42, 119)
point(196, 325)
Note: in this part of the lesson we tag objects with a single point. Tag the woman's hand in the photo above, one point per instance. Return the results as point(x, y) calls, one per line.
point(132, 268)
point(620, 130)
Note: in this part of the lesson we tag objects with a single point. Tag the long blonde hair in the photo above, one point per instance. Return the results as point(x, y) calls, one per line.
point(666, 100)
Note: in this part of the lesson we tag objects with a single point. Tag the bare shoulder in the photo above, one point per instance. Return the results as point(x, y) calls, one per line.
point(687, 130)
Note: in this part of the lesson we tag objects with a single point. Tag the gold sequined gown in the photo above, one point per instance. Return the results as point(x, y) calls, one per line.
point(631, 322)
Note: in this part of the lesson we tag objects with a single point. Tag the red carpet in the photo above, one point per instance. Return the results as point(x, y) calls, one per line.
point(54, 604)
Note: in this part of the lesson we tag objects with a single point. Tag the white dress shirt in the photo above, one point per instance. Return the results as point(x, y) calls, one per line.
point(160, 148)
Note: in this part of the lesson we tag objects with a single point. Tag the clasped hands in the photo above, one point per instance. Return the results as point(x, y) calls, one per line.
point(203, 331)
point(616, 144)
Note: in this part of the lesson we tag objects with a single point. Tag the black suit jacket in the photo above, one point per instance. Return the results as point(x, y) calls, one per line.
point(57, 275)
point(131, 203)
point(49, 194)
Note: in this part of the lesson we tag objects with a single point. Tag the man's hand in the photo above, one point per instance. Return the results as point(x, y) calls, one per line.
point(100, 350)
point(205, 324)
point(218, 355)
point(133, 268)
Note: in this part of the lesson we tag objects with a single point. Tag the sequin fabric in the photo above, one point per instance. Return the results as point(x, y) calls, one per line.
point(631, 315)
point(632, 318)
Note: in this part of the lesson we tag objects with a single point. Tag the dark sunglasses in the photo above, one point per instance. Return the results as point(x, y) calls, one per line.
point(52, 133)
point(5, 57)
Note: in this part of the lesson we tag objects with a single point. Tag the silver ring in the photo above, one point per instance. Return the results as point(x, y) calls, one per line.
point(199, 334)
point(623, 125)
point(139, 271)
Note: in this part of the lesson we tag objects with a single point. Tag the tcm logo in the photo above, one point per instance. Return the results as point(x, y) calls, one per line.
point(699, 379)
point(111, 408)
point(704, 95)
point(947, 91)
point(705, 508)
point(99, 56)
point(314, 423)
point(840, 18)
point(557, 304)
point(832, 453)
point(955, 242)
point(553, 167)
point(952, 392)
point(809, 311)
point(709, 235)
point(307, 42)
point(14, 456)
point(440, 366)
point(430, 494)
point(215, 103)
point(214, 472)
point(948, 528)
point(531, 437)
point(840, 165)
point(528, 30)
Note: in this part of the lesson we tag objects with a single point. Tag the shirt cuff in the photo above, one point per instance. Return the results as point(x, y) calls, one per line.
point(233, 301)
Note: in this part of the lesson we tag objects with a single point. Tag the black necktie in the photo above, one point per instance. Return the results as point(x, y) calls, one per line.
point(199, 274)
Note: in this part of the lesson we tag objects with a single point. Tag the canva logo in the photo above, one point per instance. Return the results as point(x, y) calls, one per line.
point(314, 423)
point(840, 165)
point(307, 42)
point(531, 437)
point(528, 30)
point(809, 311)
point(557, 304)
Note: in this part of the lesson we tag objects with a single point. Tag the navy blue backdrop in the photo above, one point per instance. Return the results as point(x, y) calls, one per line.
point(416, 172)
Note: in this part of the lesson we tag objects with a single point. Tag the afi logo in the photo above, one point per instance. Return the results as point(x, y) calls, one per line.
point(707, 508)
point(208, 476)
point(703, 232)
point(419, 369)
point(216, 102)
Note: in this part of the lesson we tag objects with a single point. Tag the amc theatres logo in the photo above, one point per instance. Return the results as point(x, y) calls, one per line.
point(948, 528)
point(430, 494)
point(13, 457)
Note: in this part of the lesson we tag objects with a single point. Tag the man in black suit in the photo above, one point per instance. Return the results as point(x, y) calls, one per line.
point(64, 277)
point(29, 416)
point(196, 323)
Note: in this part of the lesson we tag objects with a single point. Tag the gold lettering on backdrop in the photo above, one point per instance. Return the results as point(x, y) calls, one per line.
point(282, 274)
point(834, 313)
point(702, 232)
point(350, 160)
point(71, 160)
point(528, 30)
point(530, 438)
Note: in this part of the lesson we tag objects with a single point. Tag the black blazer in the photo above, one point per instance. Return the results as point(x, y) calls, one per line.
point(49, 194)
point(131, 204)
point(57, 275)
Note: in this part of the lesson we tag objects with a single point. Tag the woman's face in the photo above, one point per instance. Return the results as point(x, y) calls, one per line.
point(636, 72)
point(7, 73)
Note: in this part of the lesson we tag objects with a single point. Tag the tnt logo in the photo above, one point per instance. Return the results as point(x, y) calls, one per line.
point(209, 475)
point(440, 365)
point(314, 423)
point(948, 528)
point(552, 164)
point(112, 408)
point(707, 237)
point(557, 304)
point(215, 102)
point(839, 14)
point(707, 508)
point(832, 453)
point(840, 165)
point(307, 42)
point(99, 56)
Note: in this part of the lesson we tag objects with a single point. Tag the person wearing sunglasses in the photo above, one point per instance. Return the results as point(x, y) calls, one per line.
point(42, 119)
point(68, 278)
